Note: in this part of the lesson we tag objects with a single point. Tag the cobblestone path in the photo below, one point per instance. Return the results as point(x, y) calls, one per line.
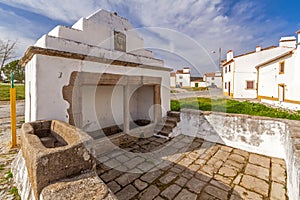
point(190, 168)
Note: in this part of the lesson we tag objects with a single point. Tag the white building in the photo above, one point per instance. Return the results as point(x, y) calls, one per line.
point(240, 74)
point(198, 82)
point(181, 78)
point(95, 74)
point(278, 79)
point(213, 79)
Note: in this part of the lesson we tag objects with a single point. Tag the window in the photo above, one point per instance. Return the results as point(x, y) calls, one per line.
point(225, 69)
point(281, 67)
point(180, 77)
point(249, 85)
point(229, 68)
point(225, 85)
point(212, 78)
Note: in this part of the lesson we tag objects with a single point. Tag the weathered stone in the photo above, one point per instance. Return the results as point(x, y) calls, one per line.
point(168, 178)
point(200, 162)
point(185, 194)
point(241, 193)
point(228, 172)
point(203, 177)
point(259, 160)
point(217, 163)
point(277, 191)
point(257, 171)
point(134, 162)
point(194, 167)
point(150, 193)
point(226, 148)
point(186, 162)
point(140, 185)
point(127, 193)
point(234, 165)
point(195, 185)
point(278, 173)
point(223, 179)
point(151, 176)
point(122, 158)
point(208, 169)
point(222, 155)
point(216, 192)
point(110, 175)
point(127, 178)
point(237, 179)
point(113, 186)
point(237, 158)
point(241, 152)
point(278, 161)
point(86, 186)
point(255, 184)
point(181, 181)
point(171, 191)
point(220, 185)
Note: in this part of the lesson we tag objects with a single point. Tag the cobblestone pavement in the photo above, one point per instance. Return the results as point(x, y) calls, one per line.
point(190, 168)
point(7, 186)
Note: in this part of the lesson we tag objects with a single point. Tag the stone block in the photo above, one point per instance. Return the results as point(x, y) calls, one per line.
point(72, 154)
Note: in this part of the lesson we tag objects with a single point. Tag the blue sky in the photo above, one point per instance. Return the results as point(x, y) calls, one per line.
point(239, 25)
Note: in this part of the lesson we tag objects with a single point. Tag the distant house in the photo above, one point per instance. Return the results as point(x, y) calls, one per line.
point(198, 82)
point(182, 78)
point(240, 74)
point(278, 79)
point(213, 79)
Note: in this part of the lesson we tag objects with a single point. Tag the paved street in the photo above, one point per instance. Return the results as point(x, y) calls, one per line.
point(191, 169)
point(181, 94)
point(5, 109)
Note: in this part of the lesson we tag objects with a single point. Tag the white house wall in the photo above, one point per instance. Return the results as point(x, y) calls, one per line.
point(244, 70)
point(59, 75)
point(269, 79)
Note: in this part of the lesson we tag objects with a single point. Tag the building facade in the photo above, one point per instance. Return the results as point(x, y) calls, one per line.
point(278, 80)
point(198, 82)
point(240, 73)
point(181, 78)
point(213, 79)
point(95, 74)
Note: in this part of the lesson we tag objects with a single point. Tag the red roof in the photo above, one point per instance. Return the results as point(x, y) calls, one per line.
point(181, 72)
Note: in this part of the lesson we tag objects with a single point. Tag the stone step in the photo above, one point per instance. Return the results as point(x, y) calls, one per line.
point(171, 120)
point(174, 114)
point(165, 125)
point(163, 132)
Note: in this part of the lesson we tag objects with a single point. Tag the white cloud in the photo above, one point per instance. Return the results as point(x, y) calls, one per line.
point(207, 24)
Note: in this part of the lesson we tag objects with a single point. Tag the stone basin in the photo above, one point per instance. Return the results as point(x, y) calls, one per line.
point(54, 150)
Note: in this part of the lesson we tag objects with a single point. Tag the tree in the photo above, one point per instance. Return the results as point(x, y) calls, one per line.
point(14, 67)
point(6, 53)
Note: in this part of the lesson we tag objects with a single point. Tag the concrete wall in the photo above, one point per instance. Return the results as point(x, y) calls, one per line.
point(272, 137)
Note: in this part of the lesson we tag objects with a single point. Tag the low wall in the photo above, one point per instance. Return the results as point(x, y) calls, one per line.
point(272, 137)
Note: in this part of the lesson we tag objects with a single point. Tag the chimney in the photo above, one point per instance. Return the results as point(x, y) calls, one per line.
point(288, 42)
point(229, 55)
point(258, 48)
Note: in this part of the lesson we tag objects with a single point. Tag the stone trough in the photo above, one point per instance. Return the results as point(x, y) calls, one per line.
point(55, 151)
